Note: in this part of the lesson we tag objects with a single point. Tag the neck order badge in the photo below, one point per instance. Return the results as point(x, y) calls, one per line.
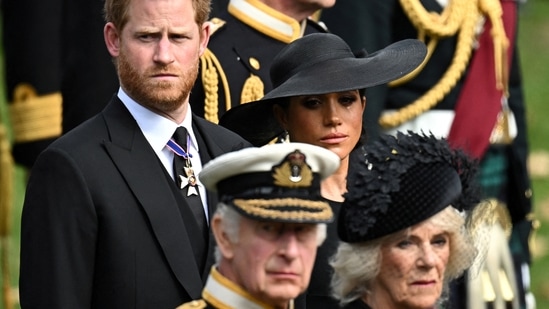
point(183, 171)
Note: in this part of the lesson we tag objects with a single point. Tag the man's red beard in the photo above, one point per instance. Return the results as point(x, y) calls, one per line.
point(164, 96)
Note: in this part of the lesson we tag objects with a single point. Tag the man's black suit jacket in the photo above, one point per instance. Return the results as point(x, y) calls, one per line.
point(101, 226)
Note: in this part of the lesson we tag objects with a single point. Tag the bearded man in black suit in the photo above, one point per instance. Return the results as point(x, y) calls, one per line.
point(104, 225)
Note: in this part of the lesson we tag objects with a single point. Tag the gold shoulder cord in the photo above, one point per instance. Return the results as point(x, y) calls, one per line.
point(461, 16)
point(211, 72)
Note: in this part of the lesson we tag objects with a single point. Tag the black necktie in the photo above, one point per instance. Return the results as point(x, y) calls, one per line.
point(185, 179)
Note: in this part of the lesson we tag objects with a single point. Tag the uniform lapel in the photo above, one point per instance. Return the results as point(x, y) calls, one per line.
point(129, 151)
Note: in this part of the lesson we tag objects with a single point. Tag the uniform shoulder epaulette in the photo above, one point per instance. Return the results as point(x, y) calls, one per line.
point(195, 304)
point(217, 23)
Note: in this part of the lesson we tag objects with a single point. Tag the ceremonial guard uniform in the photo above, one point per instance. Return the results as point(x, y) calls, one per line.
point(472, 59)
point(235, 67)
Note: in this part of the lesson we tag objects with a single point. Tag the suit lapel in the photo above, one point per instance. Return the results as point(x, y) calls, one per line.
point(129, 151)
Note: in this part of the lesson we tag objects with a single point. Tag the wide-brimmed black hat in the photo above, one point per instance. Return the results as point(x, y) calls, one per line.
point(278, 182)
point(403, 181)
point(316, 64)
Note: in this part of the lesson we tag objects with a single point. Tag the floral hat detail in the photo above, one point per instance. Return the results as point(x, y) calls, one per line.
point(402, 181)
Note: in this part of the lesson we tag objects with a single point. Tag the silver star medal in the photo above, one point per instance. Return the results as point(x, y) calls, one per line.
point(189, 181)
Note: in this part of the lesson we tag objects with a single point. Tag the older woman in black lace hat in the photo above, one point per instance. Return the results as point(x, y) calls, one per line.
point(318, 98)
point(405, 224)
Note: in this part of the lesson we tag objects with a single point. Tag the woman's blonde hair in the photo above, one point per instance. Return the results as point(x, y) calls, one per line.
point(357, 264)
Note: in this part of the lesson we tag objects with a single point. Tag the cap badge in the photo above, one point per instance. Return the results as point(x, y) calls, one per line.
point(293, 172)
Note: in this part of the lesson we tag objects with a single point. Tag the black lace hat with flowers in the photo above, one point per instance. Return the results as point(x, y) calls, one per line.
point(402, 181)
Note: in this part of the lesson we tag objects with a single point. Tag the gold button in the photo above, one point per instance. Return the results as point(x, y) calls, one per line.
point(254, 63)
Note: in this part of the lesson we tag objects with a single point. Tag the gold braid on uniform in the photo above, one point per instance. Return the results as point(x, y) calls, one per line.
point(35, 117)
point(252, 90)
point(211, 72)
point(461, 16)
point(492, 9)
point(433, 26)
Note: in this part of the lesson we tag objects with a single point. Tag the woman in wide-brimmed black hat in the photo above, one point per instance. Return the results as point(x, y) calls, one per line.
point(318, 98)
point(317, 64)
point(406, 224)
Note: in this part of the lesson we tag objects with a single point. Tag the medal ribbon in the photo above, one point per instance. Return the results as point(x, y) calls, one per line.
point(178, 150)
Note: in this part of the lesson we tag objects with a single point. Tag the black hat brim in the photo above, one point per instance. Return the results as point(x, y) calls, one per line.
point(255, 121)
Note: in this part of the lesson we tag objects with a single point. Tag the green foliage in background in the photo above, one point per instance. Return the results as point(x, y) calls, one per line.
point(534, 47)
